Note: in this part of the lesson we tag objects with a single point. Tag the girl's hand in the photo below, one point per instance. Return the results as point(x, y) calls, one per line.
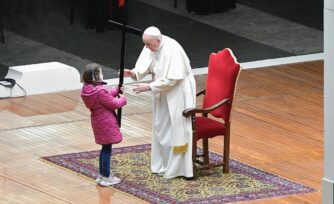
point(119, 89)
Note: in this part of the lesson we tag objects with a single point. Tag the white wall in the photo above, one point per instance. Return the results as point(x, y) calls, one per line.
point(328, 179)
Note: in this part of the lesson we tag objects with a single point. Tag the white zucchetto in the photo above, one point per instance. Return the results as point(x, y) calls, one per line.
point(152, 31)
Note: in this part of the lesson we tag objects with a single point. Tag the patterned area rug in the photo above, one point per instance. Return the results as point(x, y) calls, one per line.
point(132, 164)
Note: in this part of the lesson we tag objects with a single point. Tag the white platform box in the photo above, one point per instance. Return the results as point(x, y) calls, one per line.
point(41, 78)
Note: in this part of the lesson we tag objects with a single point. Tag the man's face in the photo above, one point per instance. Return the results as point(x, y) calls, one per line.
point(151, 43)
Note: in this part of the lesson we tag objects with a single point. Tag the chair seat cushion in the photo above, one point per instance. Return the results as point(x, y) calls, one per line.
point(208, 128)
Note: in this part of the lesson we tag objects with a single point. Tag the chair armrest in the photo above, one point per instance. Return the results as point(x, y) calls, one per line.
point(192, 111)
point(200, 93)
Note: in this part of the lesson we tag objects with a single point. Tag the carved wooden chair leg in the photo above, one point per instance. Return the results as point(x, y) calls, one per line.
point(226, 159)
point(194, 148)
point(206, 152)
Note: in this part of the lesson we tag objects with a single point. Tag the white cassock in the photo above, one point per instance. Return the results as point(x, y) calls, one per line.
point(174, 90)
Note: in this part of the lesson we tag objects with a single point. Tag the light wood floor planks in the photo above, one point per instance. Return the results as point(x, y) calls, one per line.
point(277, 126)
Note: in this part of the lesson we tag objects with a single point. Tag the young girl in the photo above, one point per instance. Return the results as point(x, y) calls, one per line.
point(102, 103)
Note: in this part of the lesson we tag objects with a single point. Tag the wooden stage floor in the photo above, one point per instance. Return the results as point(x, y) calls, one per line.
point(277, 126)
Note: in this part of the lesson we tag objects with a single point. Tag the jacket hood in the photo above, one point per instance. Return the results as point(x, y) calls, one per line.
point(89, 94)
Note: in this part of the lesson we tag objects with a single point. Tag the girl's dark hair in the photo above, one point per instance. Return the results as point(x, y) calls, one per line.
point(91, 73)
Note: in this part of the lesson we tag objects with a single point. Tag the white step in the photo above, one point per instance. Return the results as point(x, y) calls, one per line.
point(41, 78)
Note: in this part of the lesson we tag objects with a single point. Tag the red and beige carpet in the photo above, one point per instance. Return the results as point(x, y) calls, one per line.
point(132, 164)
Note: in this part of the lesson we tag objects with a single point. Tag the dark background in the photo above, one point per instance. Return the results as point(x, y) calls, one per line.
point(47, 21)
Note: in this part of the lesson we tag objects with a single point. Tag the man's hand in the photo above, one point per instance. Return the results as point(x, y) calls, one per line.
point(138, 88)
point(128, 73)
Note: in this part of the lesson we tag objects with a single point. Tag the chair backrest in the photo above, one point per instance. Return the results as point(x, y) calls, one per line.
point(223, 71)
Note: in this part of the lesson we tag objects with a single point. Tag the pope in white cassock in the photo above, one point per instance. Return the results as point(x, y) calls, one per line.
point(174, 90)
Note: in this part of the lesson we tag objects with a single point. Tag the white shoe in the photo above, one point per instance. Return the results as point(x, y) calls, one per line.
point(111, 180)
point(98, 179)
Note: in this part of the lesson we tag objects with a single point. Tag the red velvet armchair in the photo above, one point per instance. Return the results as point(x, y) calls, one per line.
point(223, 72)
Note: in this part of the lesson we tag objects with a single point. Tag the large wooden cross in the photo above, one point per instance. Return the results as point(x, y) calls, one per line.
point(125, 29)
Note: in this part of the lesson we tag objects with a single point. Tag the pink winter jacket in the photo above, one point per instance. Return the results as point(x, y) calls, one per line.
point(102, 103)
